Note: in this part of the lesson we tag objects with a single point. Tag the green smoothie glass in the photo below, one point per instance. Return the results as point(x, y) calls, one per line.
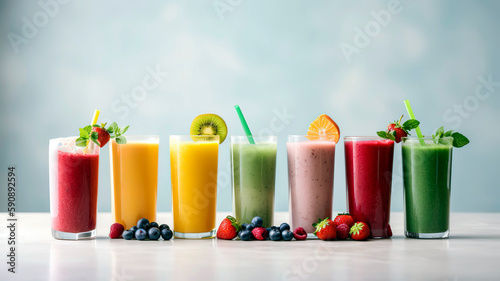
point(253, 178)
point(427, 186)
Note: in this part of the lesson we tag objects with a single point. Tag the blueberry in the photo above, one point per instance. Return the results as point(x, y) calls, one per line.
point(287, 235)
point(154, 224)
point(166, 234)
point(284, 226)
point(141, 234)
point(154, 233)
point(275, 235)
point(164, 226)
point(269, 229)
point(143, 223)
point(249, 227)
point(128, 234)
point(257, 221)
point(244, 226)
point(245, 235)
point(133, 229)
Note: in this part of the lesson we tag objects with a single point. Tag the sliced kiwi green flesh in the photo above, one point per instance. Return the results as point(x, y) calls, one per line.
point(209, 124)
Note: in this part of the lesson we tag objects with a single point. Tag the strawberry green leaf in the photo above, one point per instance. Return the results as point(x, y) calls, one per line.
point(410, 124)
point(459, 140)
point(96, 126)
point(392, 136)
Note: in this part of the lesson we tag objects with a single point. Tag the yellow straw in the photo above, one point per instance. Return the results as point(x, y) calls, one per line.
point(96, 115)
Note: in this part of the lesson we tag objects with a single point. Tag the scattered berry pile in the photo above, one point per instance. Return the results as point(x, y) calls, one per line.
point(142, 231)
point(230, 229)
point(342, 228)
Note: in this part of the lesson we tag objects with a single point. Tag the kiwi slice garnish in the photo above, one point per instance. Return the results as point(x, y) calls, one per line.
point(209, 124)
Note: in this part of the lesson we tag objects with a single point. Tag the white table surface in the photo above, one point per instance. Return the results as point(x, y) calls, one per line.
point(471, 253)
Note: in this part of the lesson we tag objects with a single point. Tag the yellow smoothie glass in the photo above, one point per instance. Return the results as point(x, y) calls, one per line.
point(134, 179)
point(193, 166)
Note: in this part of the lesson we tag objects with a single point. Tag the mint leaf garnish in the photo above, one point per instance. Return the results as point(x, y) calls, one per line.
point(382, 134)
point(459, 140)
point(410, 124)
point(86, 134)
point(121, 140)
point(81, 142)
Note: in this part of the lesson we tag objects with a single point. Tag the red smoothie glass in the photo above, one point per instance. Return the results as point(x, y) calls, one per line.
point(73, 176)
point(368, 162)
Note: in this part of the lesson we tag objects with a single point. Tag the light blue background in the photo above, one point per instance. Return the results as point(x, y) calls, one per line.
point(266, 56)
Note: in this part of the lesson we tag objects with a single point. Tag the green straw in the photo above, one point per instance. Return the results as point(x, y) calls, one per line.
point(412, 116)
point(244, 124)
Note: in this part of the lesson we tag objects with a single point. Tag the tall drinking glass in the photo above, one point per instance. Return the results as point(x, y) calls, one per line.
point(368, 167)
point(310, 180)
point(254, 175)
point(427, 186)
point(193, 166)
point(73, 178)
point(134, 179)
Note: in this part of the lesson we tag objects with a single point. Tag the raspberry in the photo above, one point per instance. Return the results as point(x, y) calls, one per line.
point(299, 233)
point(259, 233)
point(116, 230)
point(343, 231)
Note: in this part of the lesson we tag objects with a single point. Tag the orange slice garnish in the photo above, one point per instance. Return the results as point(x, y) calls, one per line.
point(324, 128)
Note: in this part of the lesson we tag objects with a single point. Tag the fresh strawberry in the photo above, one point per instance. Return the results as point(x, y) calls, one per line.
point(325, 229)
point(360, 231)
point(116, 230)
point(228, 228)
point(395, 131)
point(299, 233)
point(344, 218)
point(102, 135)
point(343, 231)
point(259, 233)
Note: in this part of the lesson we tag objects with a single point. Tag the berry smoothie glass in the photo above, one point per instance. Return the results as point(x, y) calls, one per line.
point(368, 163)
point(73, 177)
point(427, 186)
point(310, 180)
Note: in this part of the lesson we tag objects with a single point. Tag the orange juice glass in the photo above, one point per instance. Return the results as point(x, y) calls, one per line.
point(193, 166)
point(134, 179)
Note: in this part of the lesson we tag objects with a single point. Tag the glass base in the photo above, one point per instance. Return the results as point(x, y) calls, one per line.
point(73, 236)
point(201, 235)
point(438, 235)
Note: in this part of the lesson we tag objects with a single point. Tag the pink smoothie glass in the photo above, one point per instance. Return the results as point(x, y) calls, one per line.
point(310, 180)
point(368, 162)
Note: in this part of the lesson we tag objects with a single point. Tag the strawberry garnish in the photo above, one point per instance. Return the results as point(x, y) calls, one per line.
point(395, 131)
point(359, 231)
point(344, 218)
point(228, 228)
point(325, 229)
point(100, 135)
